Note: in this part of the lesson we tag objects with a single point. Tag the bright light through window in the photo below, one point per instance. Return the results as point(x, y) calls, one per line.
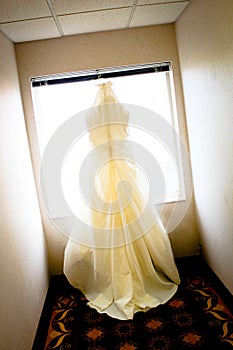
point(54, 104)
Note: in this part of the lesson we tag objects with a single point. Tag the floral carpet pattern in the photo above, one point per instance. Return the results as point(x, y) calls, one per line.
point(195, 318)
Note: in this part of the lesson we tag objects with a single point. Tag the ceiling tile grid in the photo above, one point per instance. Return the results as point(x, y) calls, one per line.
point(159, 2)
point(94, 21)
point(154, 14)
point(27, 20)
point(15, 10)
point(62, 7)
point(29, 30)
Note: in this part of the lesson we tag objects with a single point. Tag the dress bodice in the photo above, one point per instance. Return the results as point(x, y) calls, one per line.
point(107, 119)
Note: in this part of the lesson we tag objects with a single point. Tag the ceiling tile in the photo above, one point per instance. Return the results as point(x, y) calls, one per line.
point(94, 21)
point(62, 7)
point(30, 30)
point(14, 10)
point(147, 2)
point(157, 14)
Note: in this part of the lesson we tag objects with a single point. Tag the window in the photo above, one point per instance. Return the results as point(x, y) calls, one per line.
point(57, 98)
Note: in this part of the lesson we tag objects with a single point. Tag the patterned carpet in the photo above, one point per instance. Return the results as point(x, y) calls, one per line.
point(195, 318)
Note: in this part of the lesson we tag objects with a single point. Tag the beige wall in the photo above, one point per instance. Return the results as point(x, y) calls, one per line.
point(205, 44)
point(23, 260)
point(97, 50)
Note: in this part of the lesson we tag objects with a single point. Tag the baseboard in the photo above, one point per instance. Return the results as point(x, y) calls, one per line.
point(220, 288)
point(42, 329)
point(197, 264)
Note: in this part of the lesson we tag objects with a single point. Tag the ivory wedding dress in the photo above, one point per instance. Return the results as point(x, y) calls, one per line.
point(135, 270)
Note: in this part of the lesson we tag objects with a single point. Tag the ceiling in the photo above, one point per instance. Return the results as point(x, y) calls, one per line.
point(27, 20)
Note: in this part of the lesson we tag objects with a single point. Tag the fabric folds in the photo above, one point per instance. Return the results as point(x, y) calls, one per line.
point(135, 270)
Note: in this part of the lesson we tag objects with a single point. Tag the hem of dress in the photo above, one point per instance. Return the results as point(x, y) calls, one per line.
point(136, 308)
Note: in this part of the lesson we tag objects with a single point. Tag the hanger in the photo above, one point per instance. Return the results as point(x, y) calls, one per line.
point(101, 80)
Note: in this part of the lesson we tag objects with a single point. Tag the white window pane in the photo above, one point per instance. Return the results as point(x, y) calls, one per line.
point(54, 104)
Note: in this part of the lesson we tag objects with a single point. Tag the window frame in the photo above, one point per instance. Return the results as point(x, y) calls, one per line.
point(119, 71)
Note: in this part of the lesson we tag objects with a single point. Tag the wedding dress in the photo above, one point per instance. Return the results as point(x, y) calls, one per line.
point(134, 269)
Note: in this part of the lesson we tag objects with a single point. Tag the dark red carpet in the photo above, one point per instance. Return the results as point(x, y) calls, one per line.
point(195, 318)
